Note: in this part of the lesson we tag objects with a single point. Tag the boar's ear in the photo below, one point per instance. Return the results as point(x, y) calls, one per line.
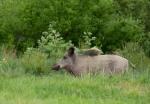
point(71, 51)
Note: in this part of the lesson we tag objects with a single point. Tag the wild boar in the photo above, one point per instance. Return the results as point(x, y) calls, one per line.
point(82, 64)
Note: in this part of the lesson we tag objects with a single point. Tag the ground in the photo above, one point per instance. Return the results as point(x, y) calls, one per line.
point(66, 89)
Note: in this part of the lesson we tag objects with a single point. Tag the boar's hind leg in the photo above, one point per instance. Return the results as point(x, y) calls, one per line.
point(111, 67)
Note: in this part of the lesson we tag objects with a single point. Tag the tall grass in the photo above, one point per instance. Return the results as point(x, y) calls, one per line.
point(9, 63)
point(66, 89)
point(135, 54)
point(34, 61)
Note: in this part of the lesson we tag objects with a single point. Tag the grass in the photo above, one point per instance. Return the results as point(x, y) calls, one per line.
point(20, 87)
point(60, 88)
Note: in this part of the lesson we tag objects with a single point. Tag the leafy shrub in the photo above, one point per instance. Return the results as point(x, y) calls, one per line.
point(117, 32)
point(35, 61)
point(53, 44)
point(86, 40)
point(138, 9)
point(22, 22)
point(12, 25)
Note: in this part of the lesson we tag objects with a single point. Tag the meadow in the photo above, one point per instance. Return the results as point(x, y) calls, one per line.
point(62, 88)
point(28, 79)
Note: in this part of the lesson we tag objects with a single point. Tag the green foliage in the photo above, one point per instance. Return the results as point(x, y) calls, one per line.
point(12, 26)
point(145, 43)
point(138, 9)
point(34, 61)
point(120, 31)
point(135, 54)
point(86, 40)
point(51, 46)
point(52, 43)
point(112, 22)
point(9, 63)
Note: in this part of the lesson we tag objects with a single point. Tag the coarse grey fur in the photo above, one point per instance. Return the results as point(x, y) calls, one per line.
point(82, 64)
point(91, 52)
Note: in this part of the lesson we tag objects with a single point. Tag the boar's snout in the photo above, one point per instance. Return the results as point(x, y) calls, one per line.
point(56, 67)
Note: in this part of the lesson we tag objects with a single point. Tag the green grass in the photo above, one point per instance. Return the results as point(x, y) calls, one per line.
point(62, 88)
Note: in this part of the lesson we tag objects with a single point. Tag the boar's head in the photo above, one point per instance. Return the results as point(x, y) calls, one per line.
point(67, 61)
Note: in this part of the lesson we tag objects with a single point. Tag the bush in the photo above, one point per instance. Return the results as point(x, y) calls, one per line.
point(52, 43)
point(117, 32)
point(138, 9)
point(22, 22)
point(51, 46)
point(86, 40)
point(35, 62)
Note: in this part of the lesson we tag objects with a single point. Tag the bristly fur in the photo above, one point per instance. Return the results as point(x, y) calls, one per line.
point(91, 52)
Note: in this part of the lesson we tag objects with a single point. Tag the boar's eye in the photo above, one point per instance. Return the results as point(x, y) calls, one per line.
point(64, 57)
